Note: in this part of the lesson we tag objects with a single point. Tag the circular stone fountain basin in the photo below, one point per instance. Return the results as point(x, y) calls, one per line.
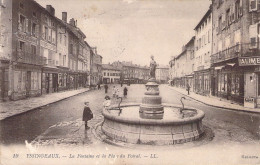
point(172, 127)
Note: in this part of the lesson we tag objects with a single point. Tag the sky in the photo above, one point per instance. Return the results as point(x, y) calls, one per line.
point(133, 30)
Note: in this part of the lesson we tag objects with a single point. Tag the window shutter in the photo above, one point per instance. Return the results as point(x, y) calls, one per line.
point(252, 5)
point(241, 8)
point(223, 21)
point(43, 33)
point(233, 13)
point(253, 36)
point(37, 31)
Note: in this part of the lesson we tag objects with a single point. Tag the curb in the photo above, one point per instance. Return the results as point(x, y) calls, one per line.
point(44, 105)
point(233, 109)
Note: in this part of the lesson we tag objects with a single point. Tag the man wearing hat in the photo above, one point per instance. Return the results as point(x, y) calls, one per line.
point(87, 114)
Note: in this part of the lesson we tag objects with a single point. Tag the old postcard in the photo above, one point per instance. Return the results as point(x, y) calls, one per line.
point(129, 82)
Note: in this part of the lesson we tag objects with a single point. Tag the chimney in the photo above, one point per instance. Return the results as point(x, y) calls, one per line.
point(50, 9)
point(72, 22)
point(64, 16)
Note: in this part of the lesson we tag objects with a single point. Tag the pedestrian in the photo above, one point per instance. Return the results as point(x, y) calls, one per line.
point(114, 91)
point(107, 102)
point(188, 89)
point(87, 115)
point(125, 92)
point(99, 86)
point(117, 92)
point(121, 83)
point(106, 87)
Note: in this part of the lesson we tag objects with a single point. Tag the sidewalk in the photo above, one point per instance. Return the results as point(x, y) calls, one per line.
point(215, 101)
point(11, 108)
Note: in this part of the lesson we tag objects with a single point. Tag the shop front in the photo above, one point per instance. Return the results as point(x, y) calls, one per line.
point(251, 66)
point(202, 82)
point(4, 79)
point(227, 81)
point(26, 81)
point(49, 80)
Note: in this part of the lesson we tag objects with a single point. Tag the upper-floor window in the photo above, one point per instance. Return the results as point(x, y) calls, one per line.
point(21, 5)
point(22, 23)
point(34, 29)
point(46, 33)
point(34, 13)
point(33, 49)
point(21, 46)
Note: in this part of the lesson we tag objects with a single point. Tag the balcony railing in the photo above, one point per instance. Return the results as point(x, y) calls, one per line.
point(29, 58)
point(239, 50)
point(200, 67)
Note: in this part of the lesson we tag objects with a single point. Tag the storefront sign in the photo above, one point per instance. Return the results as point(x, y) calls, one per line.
point(246, 61)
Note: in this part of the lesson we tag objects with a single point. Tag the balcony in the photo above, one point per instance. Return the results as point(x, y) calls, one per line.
point(29, 58)
point(239, 50)
point(200, 67)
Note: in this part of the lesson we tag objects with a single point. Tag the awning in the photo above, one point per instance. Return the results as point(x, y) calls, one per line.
point(231, 64)
point(219, 67)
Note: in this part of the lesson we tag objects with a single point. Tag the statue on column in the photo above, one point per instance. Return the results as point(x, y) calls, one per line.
point(152, 67)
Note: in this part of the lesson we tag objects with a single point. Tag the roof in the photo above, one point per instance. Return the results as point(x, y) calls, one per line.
point(109, 67)
point(203, 18)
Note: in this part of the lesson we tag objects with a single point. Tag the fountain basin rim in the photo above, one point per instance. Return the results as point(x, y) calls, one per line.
point(199, 116)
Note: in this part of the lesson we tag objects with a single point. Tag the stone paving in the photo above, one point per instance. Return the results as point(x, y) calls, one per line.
point(215, 101)
point(11, 108)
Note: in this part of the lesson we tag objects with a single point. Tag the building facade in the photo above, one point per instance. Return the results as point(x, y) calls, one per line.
point(40, 53)
point(162, 74)
point(235, 45)
point(203, 46)
point(96, 68)
point(132, 73)
point(182, 66)
point(111, 74)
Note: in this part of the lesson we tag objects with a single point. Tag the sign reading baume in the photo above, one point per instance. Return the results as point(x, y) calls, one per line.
point(245, 61)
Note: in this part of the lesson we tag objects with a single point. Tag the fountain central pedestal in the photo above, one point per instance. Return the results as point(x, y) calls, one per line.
point(151, 107)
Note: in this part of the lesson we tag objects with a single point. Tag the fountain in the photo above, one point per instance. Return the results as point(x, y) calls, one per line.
point(152, 122)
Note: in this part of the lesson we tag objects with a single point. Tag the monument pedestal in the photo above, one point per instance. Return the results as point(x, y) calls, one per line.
point(151, 107)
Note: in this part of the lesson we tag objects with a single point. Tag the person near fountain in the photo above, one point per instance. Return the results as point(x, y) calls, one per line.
point(188, 88)
point(106, 88)
point(152, 67)
point(125, 92)
point(87, 115)
point(107, 102)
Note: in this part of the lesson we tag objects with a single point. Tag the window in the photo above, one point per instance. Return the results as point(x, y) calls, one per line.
point(60, 38)
point(33, 49)
point(219, 23)
point(104, 73)
point(22, 46)
point(65, 39)
point(46, 33)
point(22, 23)
point(64, 60)
point(252, 5)
point(21, 5)
point(34, 14)
point(71, 48)
point(34, 29)
point(228, 21)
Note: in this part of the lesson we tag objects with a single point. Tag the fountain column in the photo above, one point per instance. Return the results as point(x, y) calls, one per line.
point(151, 107)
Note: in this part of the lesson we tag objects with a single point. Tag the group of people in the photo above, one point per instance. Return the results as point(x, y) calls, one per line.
point(87, 113)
